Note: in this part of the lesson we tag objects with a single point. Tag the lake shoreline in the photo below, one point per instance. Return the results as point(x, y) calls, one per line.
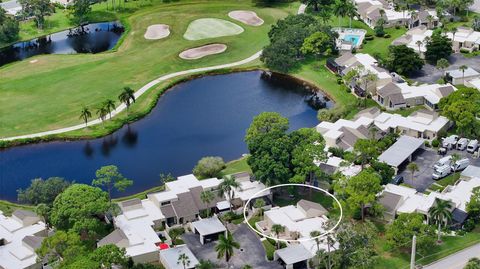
point(118, 124)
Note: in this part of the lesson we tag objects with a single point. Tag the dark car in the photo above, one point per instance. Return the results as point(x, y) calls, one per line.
point(442, 151)
point(397, 180)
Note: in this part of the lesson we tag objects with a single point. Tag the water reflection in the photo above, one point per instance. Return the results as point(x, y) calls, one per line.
point(91, 38)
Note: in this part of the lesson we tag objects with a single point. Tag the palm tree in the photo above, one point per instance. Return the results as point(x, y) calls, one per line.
point(430, 20)
point(102, 112)
point(184, 260)
point(207, 197)
point(367, 78)
point(43, 210)
point(442, 63)
point(85, 114)
point(339, 9)
point(313, 3)
point(412, 167)
point(315, 235)
point(419, 43)
point(259, 204)
point(463, 68)
point(277, 229)
point(350, 11)
point(227, 187)
point(127, 96)
point(454, 31)
point(109, 104)
point(441, 213)
point(225, 246)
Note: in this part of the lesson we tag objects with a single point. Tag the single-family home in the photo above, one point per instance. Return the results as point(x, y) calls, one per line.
point(20, 235)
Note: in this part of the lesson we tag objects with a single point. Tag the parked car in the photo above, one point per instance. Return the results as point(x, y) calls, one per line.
point(460, 164)
point(462, 143)
point(442, 172)
point(472, 146)
point(442, 151)
point(450, 142)
point(397, 180)
point(445, 161)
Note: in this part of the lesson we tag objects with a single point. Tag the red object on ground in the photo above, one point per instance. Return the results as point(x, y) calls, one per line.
point(163, 246)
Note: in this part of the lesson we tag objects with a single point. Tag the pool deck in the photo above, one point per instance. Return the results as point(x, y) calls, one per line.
point(345, 35)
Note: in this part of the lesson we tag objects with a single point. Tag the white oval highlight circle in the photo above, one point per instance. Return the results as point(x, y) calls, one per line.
point(292, 240)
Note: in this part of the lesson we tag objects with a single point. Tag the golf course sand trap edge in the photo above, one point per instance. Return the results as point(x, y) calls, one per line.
point(248, 17)
point(211, 28)
point(157, 31)
point(200, 52)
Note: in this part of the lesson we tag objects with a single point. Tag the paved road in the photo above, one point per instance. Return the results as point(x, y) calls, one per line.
point(430, 74)
point(456, 260)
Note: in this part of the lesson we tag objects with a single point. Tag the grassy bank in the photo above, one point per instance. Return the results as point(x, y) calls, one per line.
point(7, 207)
point(52, 91)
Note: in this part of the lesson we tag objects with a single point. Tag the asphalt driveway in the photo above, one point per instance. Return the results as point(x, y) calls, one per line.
point(425, 159)
point(251, 250)
point(430, 74)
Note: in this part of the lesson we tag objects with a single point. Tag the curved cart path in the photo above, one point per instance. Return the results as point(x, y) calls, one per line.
point(142, 90)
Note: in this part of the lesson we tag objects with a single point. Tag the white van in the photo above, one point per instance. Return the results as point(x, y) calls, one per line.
point(442, 172)
point(450, 142)
point(472, 146)
point(460, 164)
point(445, 161)
point(462, 143)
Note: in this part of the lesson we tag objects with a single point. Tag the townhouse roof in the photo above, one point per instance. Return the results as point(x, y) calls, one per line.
point(471, 171)
point(24, 214)
point(458, 73)
point(33, 241)
point(114, 238)
point(307, 205)
point(390, 201)
point(293, 254)
point(170, 257)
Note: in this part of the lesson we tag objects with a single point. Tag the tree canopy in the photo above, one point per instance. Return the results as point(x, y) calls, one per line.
point(403, 60)
point(399, 234)
point(362, 190)
point(9, 27)
point(438, 47)
point(462, 107)
point(80, 208)
point(43, 191)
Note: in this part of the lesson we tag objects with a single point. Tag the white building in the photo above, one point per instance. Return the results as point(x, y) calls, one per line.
point(11, 7)
point(401, 199)
point(169, 258)
point(457, 76)
point(20, 235)
point(344, 133)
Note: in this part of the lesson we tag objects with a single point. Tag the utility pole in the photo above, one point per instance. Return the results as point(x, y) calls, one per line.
point(414, 247)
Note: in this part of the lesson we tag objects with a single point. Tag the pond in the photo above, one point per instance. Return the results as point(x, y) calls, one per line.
point(91, 38)
point(206, 116)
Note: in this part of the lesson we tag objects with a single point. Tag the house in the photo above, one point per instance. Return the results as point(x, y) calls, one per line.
point(335, 164)
point(372, 123)
point(402, 199)
point(180, 202)
point(400, 95)
point(458, 76)
point(169, 258)
point(20, 235)
point(299, 220)
point(465, 39)
point(370, 12)
point(11, 7)
point(249, 190)
point(364, 64)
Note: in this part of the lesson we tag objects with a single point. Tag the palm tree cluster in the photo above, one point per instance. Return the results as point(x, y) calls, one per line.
point(127, 96)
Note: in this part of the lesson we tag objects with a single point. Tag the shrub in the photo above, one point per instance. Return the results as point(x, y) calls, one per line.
point(209, 167)
point(469, 225)
point(386, 36)
point(435, 143)
point(427, 144)
point(369, 37)
point(339, 81)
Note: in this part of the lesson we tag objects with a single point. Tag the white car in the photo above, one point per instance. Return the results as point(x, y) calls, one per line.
point(472, 146)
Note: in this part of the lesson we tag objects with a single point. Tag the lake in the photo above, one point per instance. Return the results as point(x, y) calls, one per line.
point(91, 38)
point(206, 116)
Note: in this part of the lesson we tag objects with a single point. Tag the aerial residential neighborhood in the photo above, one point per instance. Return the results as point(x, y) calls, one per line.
point(265, 134)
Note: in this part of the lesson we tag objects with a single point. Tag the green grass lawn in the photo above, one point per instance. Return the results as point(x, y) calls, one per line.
point(450, 245)
point(237, 166)
point(7, 207)
point(211, 28)
point(444, 182)
point(269, 249)
point(49, 94)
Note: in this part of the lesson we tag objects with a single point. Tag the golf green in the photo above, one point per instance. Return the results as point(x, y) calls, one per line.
point(211, 28)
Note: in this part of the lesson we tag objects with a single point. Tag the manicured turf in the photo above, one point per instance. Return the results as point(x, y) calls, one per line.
point(50, 93)
point(211, 28)
point(237, 166)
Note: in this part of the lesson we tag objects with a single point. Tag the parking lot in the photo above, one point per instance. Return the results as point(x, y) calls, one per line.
point(251, 250)
point(425, 159)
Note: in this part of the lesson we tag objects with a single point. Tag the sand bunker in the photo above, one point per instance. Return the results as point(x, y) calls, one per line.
point(247, 17)
point(157, 31)
point(199, 52)
point(211, 28)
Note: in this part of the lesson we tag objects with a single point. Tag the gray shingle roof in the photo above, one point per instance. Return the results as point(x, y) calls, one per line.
point(390, 201)
point(113, 238)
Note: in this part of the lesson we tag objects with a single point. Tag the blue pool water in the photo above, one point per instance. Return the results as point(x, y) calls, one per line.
point(352, 38)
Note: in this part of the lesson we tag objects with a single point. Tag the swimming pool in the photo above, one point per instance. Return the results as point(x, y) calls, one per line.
point(352, 38)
